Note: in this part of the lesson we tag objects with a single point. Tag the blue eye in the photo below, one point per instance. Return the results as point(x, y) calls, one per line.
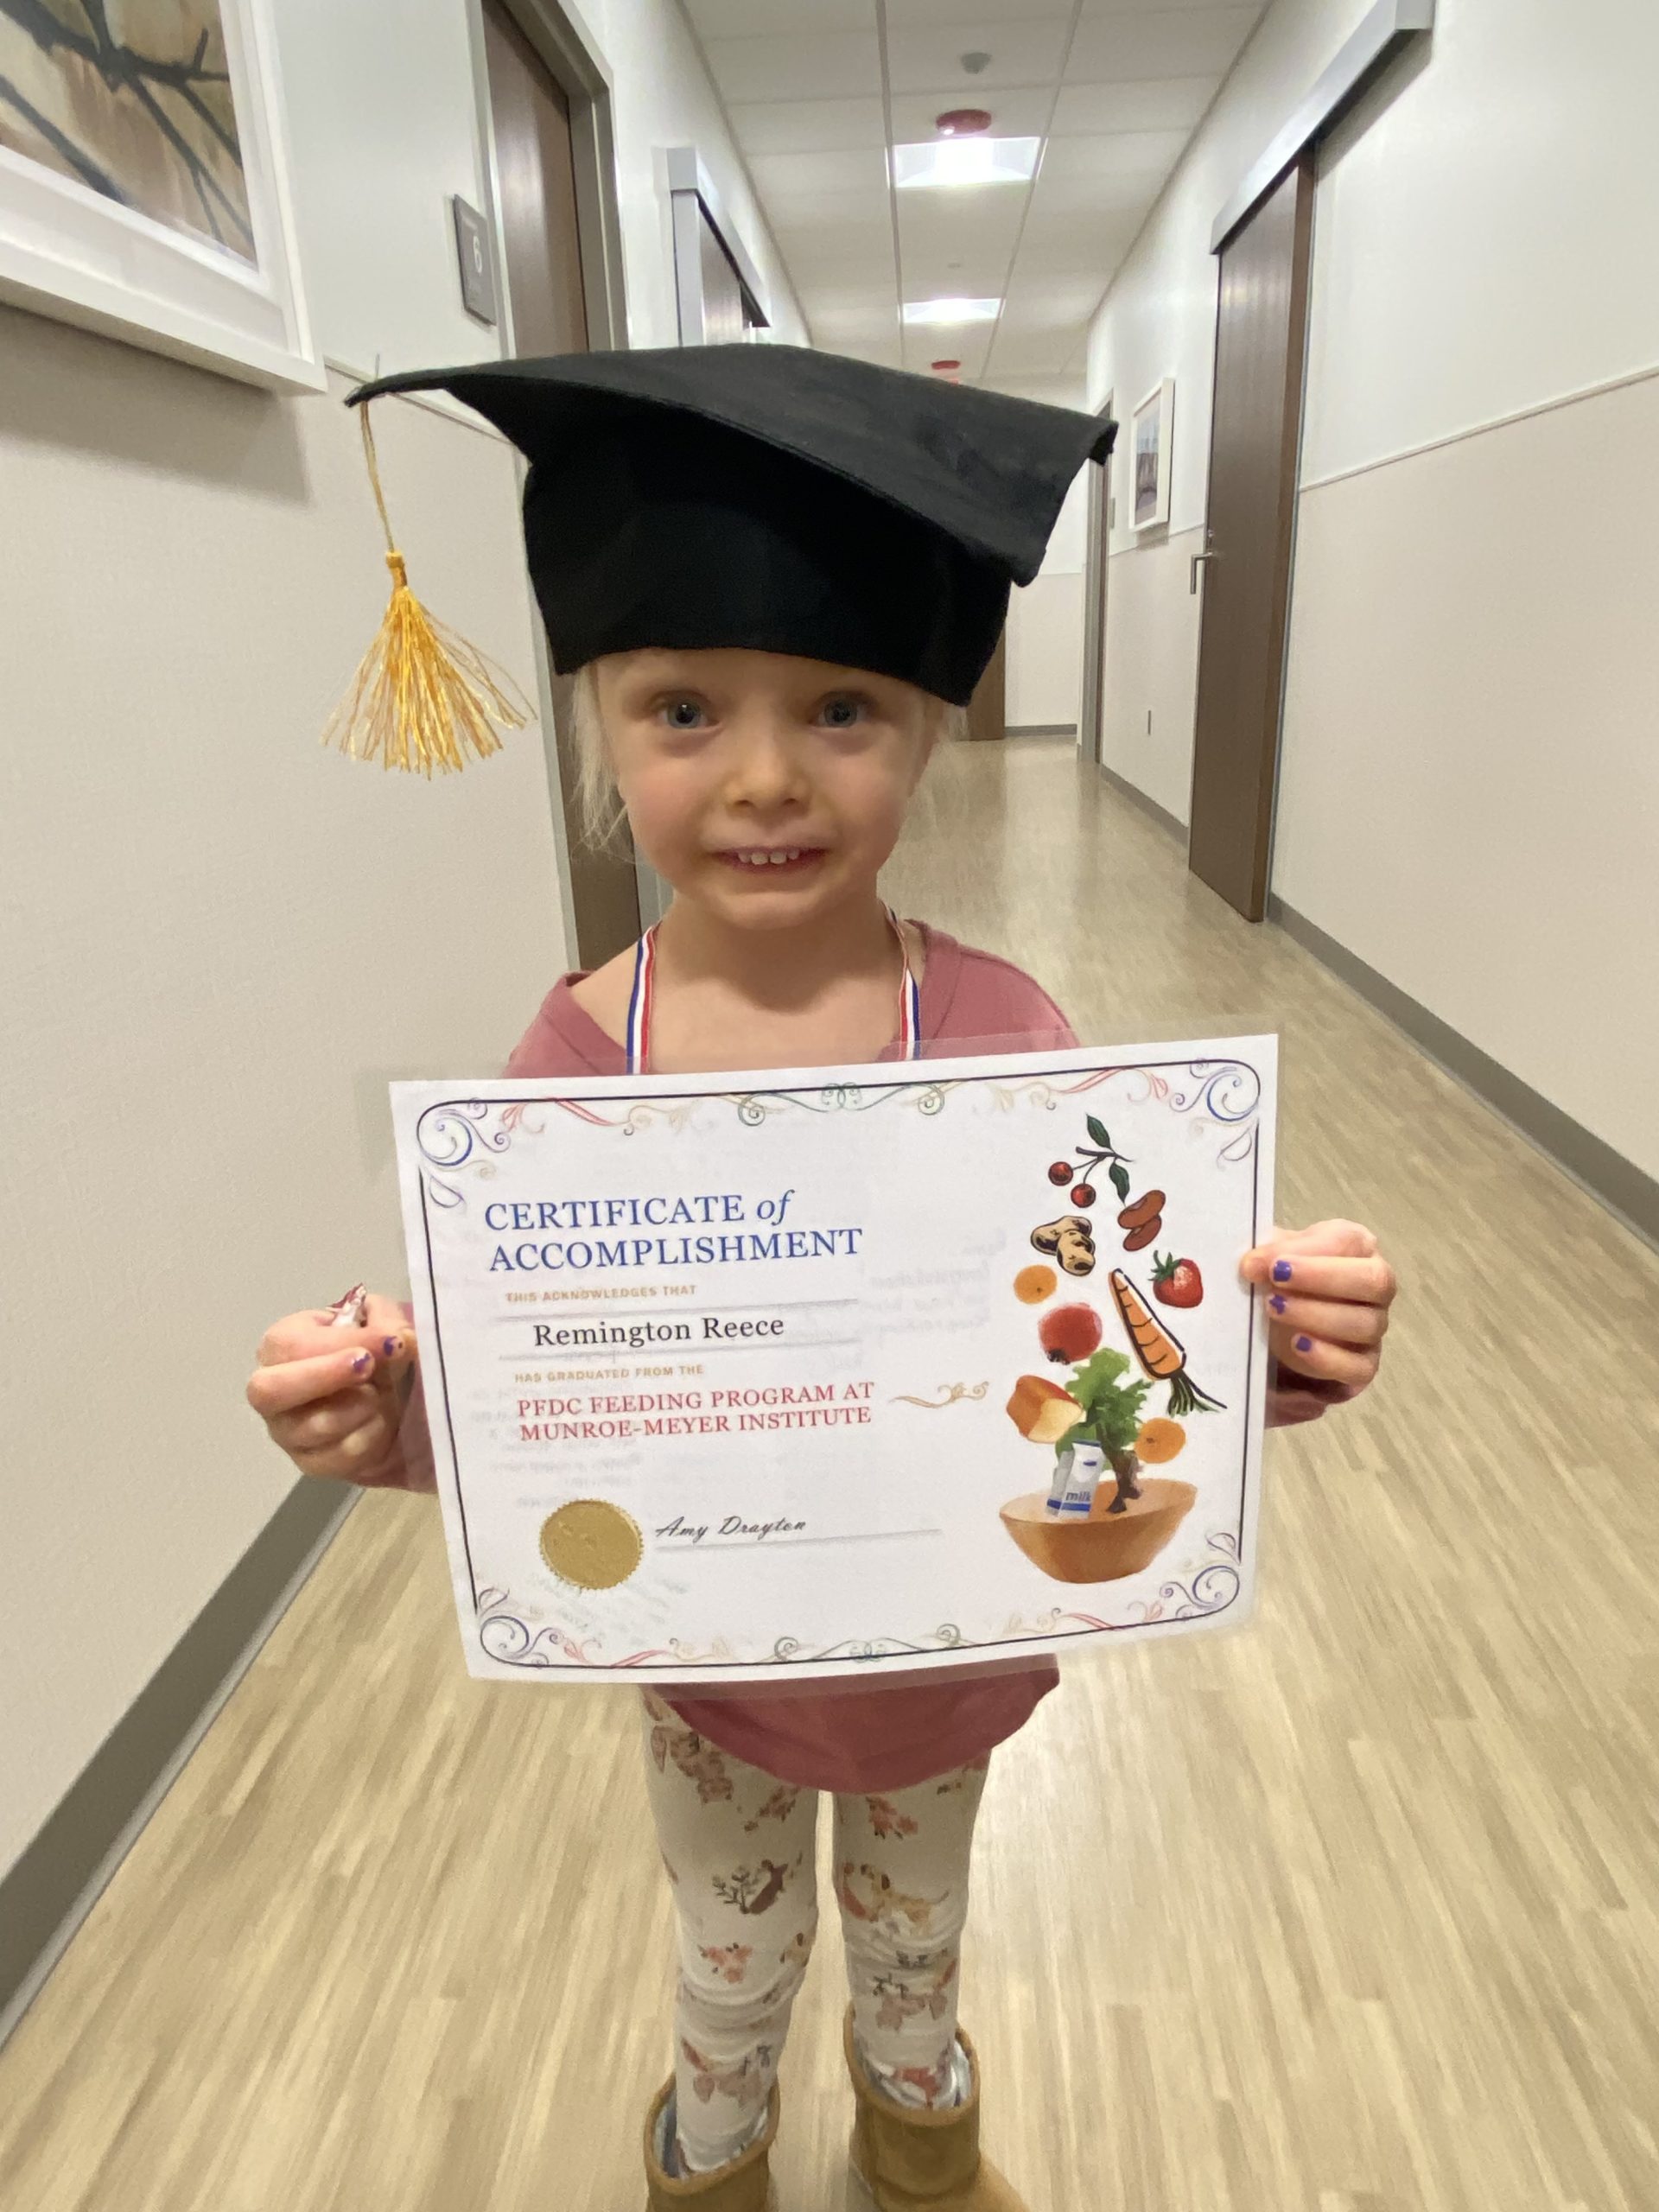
point(683, 714)
point(843, 713)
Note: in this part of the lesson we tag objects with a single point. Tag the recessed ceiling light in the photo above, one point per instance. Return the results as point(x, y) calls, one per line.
point(958, 162)
point(951, 310)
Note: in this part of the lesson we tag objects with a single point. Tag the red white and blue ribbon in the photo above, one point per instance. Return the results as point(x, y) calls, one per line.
point(645, 984)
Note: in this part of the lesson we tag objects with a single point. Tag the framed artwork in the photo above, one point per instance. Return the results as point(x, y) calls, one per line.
point(1153, 419)
point(143, 184)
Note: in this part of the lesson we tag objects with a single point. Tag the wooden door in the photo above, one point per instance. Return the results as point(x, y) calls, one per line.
point(988, 710)
point(1261, 330)
point(537, 187)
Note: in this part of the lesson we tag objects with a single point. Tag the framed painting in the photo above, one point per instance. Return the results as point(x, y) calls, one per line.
point(144, 186)
point(1153, 419)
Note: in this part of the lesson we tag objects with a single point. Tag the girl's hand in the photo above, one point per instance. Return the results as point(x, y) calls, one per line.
point(1329, 1292)
point(333, 1398)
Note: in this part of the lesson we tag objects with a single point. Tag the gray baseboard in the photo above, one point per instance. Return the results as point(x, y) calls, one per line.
point(47, 1895)
point(1619, 1183)
point(1136, 796)
point(1039, 729)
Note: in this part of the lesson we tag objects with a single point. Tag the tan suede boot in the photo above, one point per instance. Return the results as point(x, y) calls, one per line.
point(907, 2158)
point(744, 2186)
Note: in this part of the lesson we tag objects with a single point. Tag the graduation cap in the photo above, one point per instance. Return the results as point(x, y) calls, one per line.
point(764, 496)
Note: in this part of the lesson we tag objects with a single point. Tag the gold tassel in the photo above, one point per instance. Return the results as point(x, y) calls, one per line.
point(422, 698)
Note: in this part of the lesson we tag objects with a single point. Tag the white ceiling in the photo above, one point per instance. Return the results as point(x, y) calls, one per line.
point(817, 89)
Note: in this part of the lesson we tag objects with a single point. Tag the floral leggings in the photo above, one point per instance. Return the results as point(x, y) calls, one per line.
point(739, 1847)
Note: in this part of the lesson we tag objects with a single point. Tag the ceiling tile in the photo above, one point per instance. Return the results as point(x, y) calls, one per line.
point(1151, 103)
point(1167, 42)
point(769, 18)
point(983, 15)
point(991, 217)
point(1107, 199)
point(1148, 154)
point(928, 59)
point(859, 171)
point(1086, 241)
point(1019, 111)
point(1032, 353)
point(832, 65)
point(808, 126)
point(969, 346)
point(978, 273)
point(1159, 6)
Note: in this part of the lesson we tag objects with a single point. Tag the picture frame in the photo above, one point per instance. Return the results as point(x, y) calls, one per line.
point(145, 191)
point(1152, 427)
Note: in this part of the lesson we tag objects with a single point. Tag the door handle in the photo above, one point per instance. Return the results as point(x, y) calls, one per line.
point(1198, 559)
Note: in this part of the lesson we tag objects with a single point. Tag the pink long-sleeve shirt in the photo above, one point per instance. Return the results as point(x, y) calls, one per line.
point(851, 1735)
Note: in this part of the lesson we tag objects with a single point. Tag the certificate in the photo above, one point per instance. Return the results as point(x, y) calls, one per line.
point(855, 1371)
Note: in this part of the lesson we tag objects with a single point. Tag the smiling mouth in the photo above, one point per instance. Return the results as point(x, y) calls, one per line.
point(771, 861)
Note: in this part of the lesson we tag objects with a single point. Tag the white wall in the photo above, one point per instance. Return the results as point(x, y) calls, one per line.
point(382, 121)
point(1045, 671)
point(1468, 658)
point(663, 97)
point(221, 942)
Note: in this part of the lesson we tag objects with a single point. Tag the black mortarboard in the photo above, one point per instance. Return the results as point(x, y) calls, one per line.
point(777, 497)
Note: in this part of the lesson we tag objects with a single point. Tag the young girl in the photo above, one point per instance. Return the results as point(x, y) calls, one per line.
point(718, 537)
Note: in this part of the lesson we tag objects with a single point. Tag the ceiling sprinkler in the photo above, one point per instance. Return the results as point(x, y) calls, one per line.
point(975, 63)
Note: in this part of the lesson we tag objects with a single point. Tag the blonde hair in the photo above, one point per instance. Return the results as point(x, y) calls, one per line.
point(599, 804)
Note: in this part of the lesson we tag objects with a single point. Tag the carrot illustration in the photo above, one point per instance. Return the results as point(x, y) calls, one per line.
point(1159, 1354)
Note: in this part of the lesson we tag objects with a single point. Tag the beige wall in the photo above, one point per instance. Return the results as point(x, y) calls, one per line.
point(1467, 796)
point(220, 942)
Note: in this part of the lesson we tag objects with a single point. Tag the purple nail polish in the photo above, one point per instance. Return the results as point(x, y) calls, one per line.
point(1304, 1343)
point(1276, 1303)
point(389, 1345)
point(1281, 1271)
point(363, 1363)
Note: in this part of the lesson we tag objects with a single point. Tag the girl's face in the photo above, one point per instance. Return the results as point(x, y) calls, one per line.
point(768, 789)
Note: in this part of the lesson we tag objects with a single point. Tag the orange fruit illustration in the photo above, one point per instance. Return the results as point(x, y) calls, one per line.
point(1159, 1441)
point(1032, 1284)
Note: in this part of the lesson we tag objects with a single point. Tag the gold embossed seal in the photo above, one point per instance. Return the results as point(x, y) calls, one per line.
point(592, 1543)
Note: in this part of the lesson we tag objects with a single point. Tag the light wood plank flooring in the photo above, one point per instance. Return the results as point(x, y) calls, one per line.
point(1356, 1910)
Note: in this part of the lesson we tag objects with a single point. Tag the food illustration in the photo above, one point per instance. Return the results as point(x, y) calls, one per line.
point(1085, 1195)
point(1159, 1441)
point(1032, 1286)
point(1099, 1153)
point(1070, 1333)
point(1176, 1283)
point(1087, 1549)
point(1070, 1241)
point(1161, 1356)
point(1144, 1221)
point(1041, 1411)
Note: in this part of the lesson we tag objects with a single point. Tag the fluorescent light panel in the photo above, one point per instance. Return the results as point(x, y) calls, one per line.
point(952, 162)
point(951, 310)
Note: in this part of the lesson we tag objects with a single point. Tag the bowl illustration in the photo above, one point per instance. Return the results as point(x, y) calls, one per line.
point(1102, 1547)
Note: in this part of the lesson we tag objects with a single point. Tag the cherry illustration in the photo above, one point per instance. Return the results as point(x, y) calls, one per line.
point(1061, 1172)
point(1083, 1195)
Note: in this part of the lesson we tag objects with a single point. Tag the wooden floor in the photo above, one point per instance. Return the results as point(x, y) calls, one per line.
point(1356, 1910)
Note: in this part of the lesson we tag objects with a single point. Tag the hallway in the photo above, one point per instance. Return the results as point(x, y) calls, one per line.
point(1353, 1910)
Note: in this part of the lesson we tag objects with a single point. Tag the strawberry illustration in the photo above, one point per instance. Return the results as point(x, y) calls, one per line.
point(1176, 1283)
